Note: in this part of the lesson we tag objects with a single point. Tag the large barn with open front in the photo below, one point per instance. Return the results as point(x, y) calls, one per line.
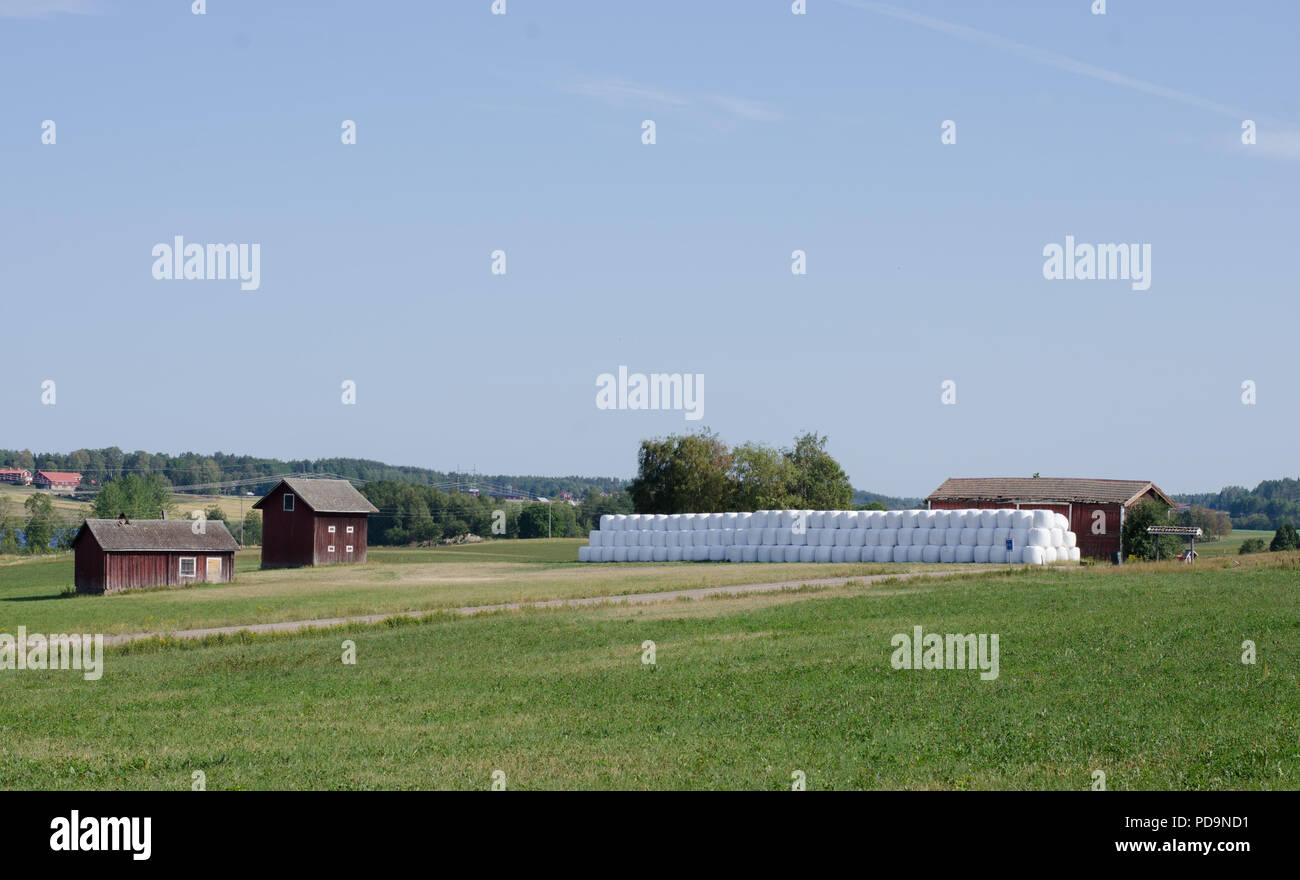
point(1095, 508)
point(313, 522)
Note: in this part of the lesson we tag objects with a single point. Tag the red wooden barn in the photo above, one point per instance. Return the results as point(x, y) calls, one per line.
point(313, 522)
point(123, 554)
point(1095, 508)
point(56, 481)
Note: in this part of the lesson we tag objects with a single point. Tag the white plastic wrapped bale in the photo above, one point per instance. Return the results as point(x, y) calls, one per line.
point(1049, 555)
point(930, 553)
point(842, 537)
point(893, 519)
point(952, 537)
point(1032, 554)
point(982, 552)
point(1044, 519)
point(904, 537)
point(1004, 518)
point(956, 519)
point(948, 553)
point(925, 519)
point(965, 553)
point(942, 518)
point(998, 553)
point(1074, 553)
point(908, 518)
point(857, 537)
point(988, 519)
point(916, 553)
point(837, 554)
point(984, 537)
point(660, 554)
point(1039, 537)
point(900, 553)
point(871, 537)
point(1000, 536)
point(1062, 522)
point(1022, 519)
point(883, 554)
point(674, 554)
point(584, 554)
point(748, 554)
point(936, 537)
point(888, 537)
point(1058, 537)
point(1071, 540)
point(969, 536)
point(1019, 538)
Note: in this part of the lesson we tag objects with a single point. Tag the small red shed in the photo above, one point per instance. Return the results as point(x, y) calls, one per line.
point(313, 522)
point(122, 554)
point(1095, 508)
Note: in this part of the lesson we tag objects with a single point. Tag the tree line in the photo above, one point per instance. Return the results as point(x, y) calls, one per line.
point(99, 466)
point(1268, 506)
point(410, 513)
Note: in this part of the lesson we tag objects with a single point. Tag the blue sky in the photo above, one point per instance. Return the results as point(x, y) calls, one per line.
point(775, 132)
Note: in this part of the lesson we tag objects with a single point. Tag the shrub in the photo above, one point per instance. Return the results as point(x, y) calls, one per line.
point(1285, 539)
point(1252, 545)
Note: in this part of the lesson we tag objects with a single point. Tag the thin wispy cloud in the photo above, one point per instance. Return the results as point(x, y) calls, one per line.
point(622, 94)
point(43, 8)
point(1046, 57)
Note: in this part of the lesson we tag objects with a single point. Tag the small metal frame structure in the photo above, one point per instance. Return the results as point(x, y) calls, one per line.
point(1189, 532)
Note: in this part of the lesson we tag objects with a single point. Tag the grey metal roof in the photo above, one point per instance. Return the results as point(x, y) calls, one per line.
point(159, 534)
point(325, 496)
point(1044, 489)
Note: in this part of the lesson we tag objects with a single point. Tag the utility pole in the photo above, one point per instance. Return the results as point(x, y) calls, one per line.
point(548, 518)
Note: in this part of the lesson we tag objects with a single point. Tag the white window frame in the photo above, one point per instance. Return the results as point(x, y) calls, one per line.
point(331, 530)
point(194, 566)
point(350, 528)
point(349, 548)
point(329, 549)
point(287, 504)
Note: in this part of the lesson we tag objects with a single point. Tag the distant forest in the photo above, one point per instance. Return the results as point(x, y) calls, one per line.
point(254, 474)
point(1269, 505)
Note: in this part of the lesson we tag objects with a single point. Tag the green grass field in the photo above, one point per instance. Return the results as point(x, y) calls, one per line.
point(33, 592)
point(1136, 672)
point(1231, 544)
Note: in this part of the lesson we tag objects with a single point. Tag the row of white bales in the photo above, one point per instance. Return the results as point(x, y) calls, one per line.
point(1038, 537)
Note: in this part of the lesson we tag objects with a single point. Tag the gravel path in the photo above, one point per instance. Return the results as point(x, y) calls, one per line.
point(469, 610)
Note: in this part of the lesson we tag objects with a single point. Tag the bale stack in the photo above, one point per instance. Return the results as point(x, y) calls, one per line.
point(1038, 537)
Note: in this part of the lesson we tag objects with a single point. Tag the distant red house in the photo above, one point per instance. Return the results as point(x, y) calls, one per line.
point(1095, 508)
point(16, 475)
point(56, 481)
point(122, 554)
point(313, 522)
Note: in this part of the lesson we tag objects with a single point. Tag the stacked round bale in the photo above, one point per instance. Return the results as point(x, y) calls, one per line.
point(1038, 537)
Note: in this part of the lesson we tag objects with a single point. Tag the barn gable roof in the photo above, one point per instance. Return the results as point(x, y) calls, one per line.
point(166, 535)
point(324, 496)
point(1045, 489)
point(60, 476)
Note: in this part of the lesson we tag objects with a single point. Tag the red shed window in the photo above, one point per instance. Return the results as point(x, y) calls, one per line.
point(288, 501)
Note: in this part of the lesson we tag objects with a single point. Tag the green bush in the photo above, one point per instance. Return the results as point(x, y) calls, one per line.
point(1285, 539)
point(1252, 545)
